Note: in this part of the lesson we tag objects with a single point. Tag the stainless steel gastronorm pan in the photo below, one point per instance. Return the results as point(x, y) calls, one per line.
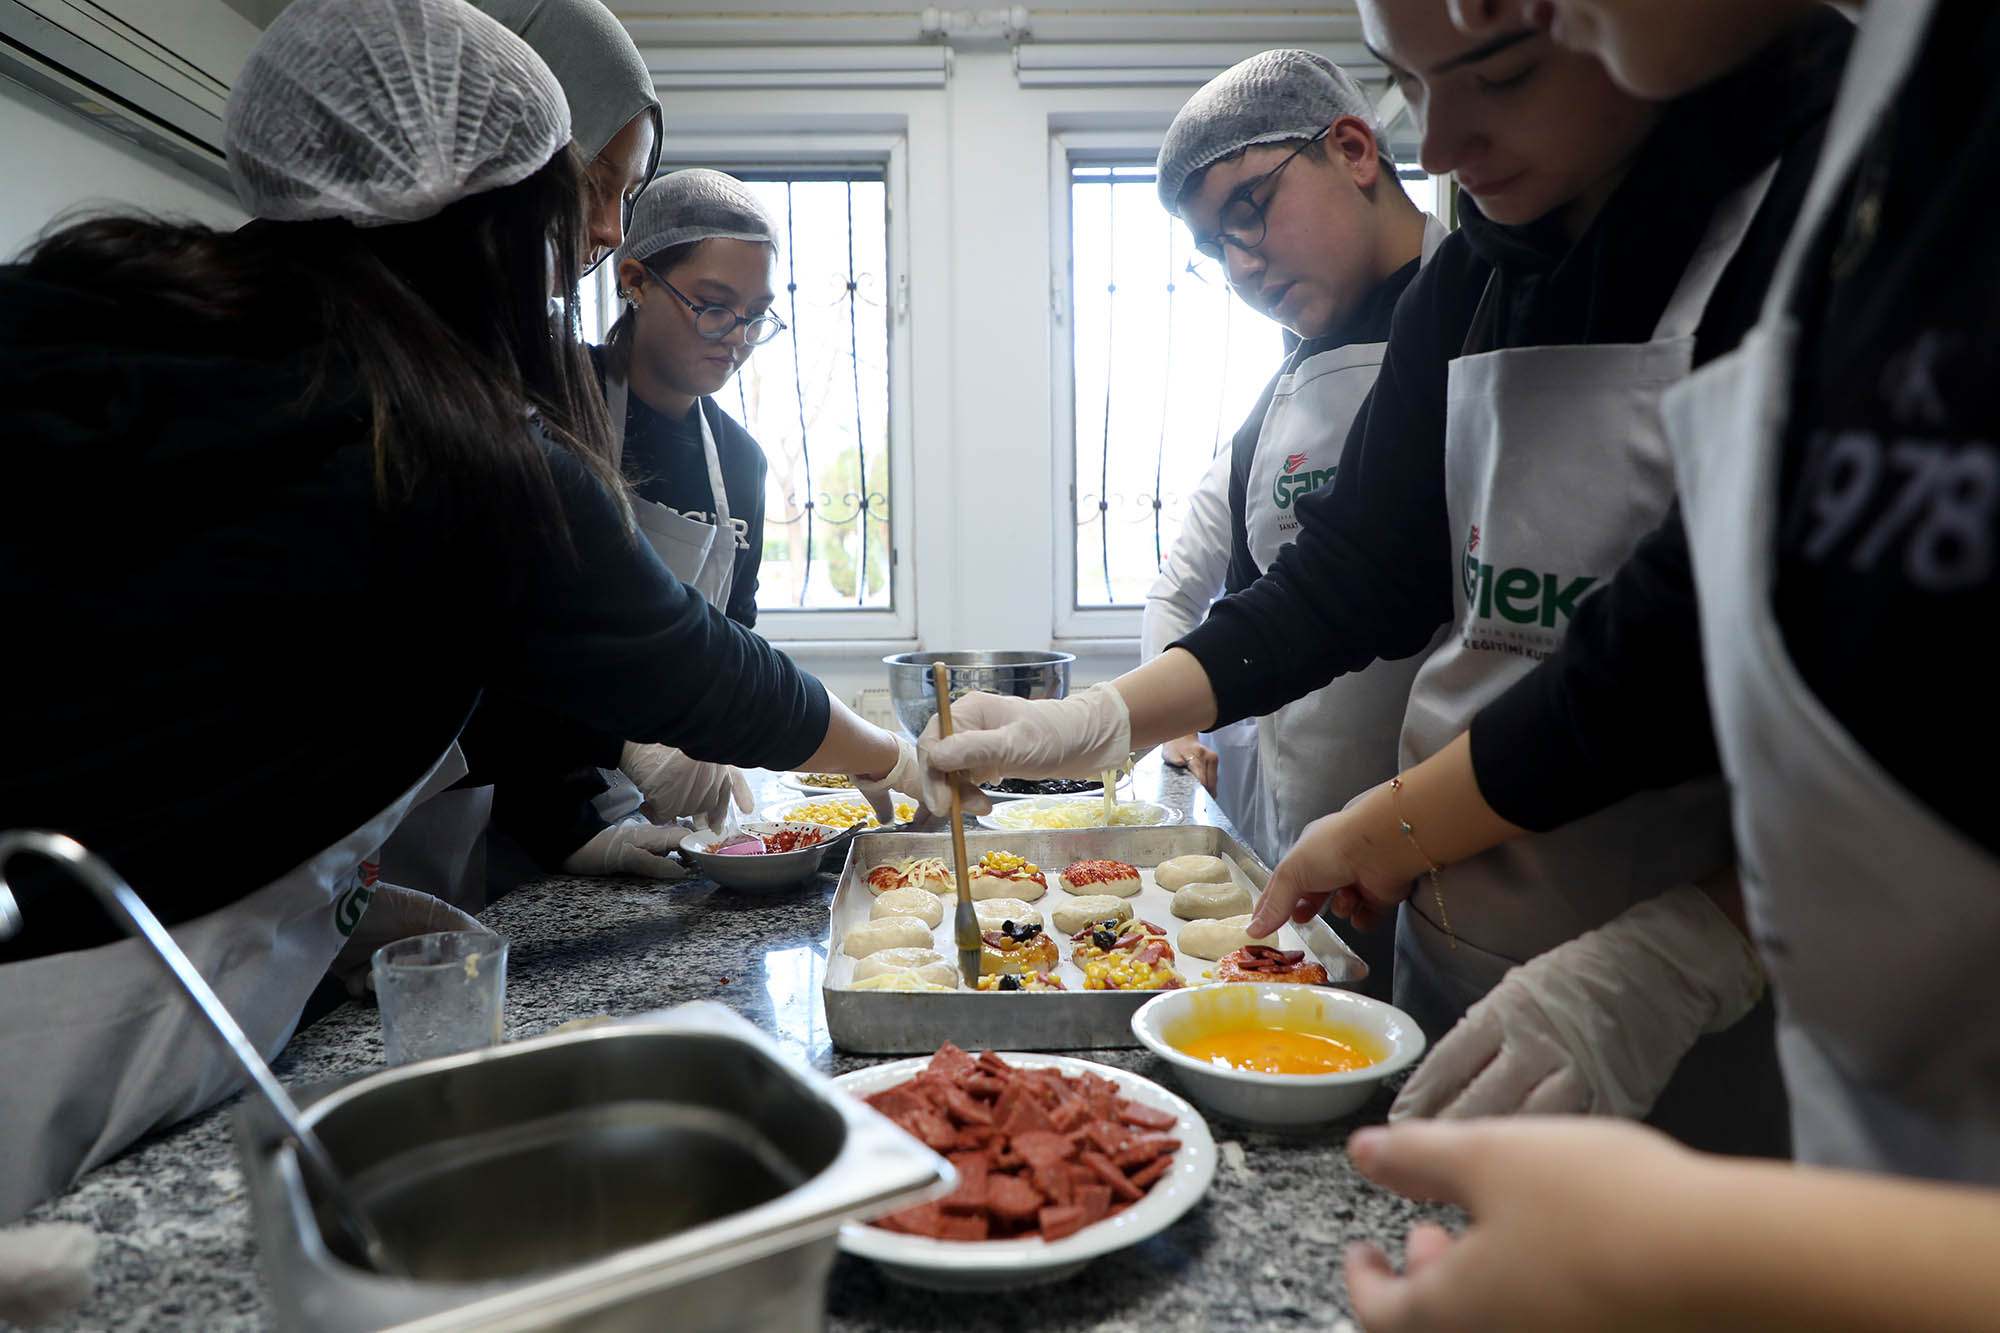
point(672, 1171)
point(893, 1023)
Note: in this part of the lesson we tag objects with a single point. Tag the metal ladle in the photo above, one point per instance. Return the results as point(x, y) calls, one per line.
point(126, 908)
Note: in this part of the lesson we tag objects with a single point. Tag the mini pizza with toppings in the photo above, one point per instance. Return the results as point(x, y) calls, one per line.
point(1101, 876)
point(1104, 939)
point(1018, 946)
point(921, 872)
point(1130, 957)
point(1005, 875)
point(1019, 981)
point(1261, 962)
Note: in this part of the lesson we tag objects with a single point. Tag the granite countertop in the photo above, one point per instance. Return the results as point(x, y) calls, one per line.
point(1260, 1251)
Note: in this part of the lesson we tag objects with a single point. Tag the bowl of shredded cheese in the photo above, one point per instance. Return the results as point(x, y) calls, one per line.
point(840, 812)
point(1060, 812)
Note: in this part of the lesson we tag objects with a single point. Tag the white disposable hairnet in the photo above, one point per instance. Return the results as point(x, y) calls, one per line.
point(1272, 97)
point(383, 111)
point(694, 205)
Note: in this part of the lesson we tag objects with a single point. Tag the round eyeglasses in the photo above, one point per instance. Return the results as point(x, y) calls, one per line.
point(713, 323)
point(1241, 218)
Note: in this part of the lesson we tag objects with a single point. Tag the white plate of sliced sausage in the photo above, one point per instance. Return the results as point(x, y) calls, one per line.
point(1059, 1160)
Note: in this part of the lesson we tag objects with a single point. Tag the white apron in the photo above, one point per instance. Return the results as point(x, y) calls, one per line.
point(1320, 750)
point(1876, 919)
point(701, 555)
point(1556, 464)
point(1239, 781)
point(97, 1048)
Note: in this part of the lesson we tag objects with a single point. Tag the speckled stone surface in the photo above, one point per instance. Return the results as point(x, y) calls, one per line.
point(1261, 1251)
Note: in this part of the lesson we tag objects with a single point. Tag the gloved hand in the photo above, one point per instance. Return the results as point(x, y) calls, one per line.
point(675, 785)
point(995, 736)
point(1188, 752)
point(1596, 1025)
point(906, 777)
point(634, 846)
point(393, 913)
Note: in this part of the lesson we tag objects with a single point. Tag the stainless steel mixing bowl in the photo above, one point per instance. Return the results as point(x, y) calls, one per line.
point(1025, 675)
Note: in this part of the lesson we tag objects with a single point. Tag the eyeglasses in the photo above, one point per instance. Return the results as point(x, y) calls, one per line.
point(1242, 220)
point(713, 323)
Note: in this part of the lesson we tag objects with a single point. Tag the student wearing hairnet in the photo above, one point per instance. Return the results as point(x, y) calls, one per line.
point(1510, 457)
point(613, 109)
point(1837, 505)
point(1282, 175)
point(441, 849)
point(361, 478)
point(696, 271)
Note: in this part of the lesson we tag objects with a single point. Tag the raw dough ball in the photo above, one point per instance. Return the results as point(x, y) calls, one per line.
point(1212, 939)
point(895, 960)
point(909, 902)
point(1176, 871)
point(889, 933)
point(986, 887)
point(993, 911)
point(906, 979)
point(1192, 902)
point(1074, 915)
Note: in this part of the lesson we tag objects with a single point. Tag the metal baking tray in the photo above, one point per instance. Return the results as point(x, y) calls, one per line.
point(895, 1023)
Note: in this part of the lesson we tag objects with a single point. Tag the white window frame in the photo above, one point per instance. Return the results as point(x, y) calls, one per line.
point(889, 153)
point(1090, 626)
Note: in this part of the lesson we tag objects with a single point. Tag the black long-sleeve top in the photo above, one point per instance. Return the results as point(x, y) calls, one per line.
point(1371, 575)
point(224, 654)
point(543, 768)
point(1889, 520)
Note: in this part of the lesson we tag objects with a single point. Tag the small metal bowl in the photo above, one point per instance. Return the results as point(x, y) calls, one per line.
point(1024, 675)
point(757, 874)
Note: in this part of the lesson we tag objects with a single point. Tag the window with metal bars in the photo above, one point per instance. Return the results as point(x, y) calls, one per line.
point(816, 397)
point(1165, 365)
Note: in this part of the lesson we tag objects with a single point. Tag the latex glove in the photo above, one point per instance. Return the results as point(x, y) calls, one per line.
point(675, 786)
point(1594, 1026)
point(906, 777)
point(634, 846)
point(1188, 752)
point(1576, 1225)
point(995, 736)
point(44, 1270)
point(393, 913)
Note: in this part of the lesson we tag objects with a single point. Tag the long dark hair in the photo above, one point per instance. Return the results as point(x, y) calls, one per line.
point(444, 327)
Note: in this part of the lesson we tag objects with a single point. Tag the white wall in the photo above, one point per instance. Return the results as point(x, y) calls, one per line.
point(55, 161)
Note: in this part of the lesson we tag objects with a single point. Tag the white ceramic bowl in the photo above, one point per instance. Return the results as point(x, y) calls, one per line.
point(770, 871)
point(992, 1265)
point(1276, 1099)
point(1010, 817)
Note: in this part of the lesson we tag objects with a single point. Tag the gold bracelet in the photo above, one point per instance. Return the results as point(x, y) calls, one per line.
point(1396, 801)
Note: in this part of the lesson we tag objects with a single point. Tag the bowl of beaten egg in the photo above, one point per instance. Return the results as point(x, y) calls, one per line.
point(1270, 1054)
